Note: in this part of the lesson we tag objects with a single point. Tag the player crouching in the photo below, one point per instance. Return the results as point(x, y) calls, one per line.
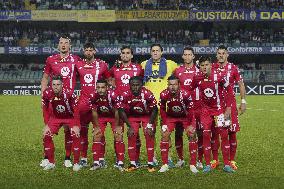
point(64, 113)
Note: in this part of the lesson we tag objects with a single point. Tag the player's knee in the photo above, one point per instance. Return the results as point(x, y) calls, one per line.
point(192, 136)
point(118, 136)
point(165, 136)
point(97, 135)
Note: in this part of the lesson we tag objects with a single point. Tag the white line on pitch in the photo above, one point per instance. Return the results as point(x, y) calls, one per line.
point(260, 109)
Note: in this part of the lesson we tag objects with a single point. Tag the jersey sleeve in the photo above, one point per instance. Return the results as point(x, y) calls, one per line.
point(47, 68)
point(237, 74)
point(151, 100)
point(163, 107)
point(45, 107)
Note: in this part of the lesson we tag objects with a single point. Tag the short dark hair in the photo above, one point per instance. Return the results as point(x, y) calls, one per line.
point(89, 45)
point(204, 58)
point(136, 78)
point(157, 45)
point(126, 47)
point(223, 47)
point(173, 77)
point(189, 49)
point(64, 36)
point(102, 81)
point(57, 77)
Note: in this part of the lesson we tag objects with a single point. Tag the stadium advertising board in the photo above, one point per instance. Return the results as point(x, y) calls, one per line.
point(141, 50)
point(34, 89)
point(152, 15)
point(15, 15)
point(236, 15)
point(74, 15)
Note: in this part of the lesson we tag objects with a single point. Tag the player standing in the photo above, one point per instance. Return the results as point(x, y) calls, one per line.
point(233, 75)
point(90, 70)
point(185, 73)
point(216, 96)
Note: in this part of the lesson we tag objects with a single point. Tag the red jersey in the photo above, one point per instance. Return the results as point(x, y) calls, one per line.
point(174, 106)
point(140, 105)
point(231, 71)
point(64, 106)
point(104, 105)
point(185, 76)
point(55, 65)
point(215, 91)
point(124, 73)
point(90, 73)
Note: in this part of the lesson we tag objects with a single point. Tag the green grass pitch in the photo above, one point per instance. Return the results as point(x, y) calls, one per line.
point(260, 153)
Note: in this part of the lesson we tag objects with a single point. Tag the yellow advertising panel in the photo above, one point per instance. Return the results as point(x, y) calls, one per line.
point(152, 15)
point(74, 15)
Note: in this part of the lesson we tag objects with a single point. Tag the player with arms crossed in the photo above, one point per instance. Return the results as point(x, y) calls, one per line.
point(175, 104)
point(65, 112)
point(138, 108)
point(90, 70)
point(233, 75)
point(216, 96)
point(104, 110)
point(61, 64)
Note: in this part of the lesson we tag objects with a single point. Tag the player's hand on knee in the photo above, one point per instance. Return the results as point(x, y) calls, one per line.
point(130, 132)
point(150, 130)
point(76, 131)
point(47, 131)
point(227, 113)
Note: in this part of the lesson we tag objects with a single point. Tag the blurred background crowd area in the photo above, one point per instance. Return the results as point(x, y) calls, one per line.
point(139, 4)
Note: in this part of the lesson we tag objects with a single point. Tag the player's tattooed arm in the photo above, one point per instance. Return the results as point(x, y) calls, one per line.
point(153, 115)
point(123, 116)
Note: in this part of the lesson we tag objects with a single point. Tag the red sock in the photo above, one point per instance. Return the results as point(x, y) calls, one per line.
point(103, 147)
point(192, 151)
point(207, 146)
point(132, 148)
point(76, 145)
point(200, 147)
point(48, 148)
point(96, 149)
point(68, 142)
point(84, 141)
point(179, 145)
point(120, 149)
point(225, 145)
point(233, 145)
point(215, 144)
point(138, 146)
point(164, 146)
point(150, 141)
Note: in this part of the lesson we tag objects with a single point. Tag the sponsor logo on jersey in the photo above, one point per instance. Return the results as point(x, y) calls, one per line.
point(125, 78)
point(60, 108)
point(209, 92)
point(176, 109)
point(88, 78)
point(65, 71)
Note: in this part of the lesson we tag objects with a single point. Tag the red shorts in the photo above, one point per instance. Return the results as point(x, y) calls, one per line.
point(55, 124)
point(173, 122)
point(235, 126)
point(136, 122)
point(103, 123)
point(86, 117)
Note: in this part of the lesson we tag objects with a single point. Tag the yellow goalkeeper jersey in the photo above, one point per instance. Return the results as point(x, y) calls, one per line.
point(155, 83)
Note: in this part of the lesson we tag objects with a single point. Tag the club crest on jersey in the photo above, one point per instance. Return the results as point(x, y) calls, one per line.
point(187, 82)
point(176, 109)
point(65, 71)
point(125, 78)
point(138, 109)
point(104, 109)
point(60, 108)
point(88, 78)
point(209, 92)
